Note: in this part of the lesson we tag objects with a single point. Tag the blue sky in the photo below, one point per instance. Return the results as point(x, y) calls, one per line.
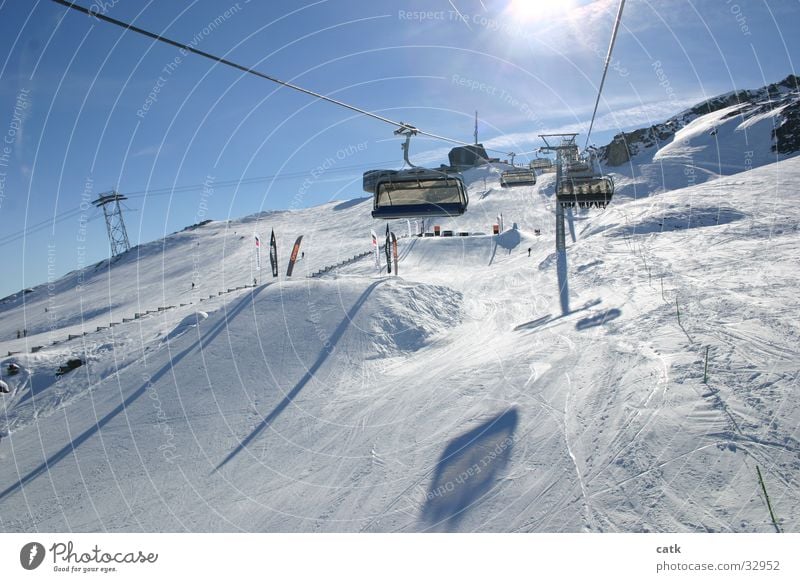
point(86, 107)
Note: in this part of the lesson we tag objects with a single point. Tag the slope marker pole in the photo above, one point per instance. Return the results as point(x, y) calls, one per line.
point(766, 496)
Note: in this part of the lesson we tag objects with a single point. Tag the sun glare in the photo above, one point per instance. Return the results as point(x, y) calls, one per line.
point(539, 9)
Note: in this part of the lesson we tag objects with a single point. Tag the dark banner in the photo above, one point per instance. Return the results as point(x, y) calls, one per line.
point(293, 257)
point(273, 254)
point(388, 253)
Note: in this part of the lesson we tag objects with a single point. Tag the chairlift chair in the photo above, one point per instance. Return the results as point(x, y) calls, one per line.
point(517, 177)
point(585, 192)
point(418, 192)
point(371, 177)
point(581, 186)
point(541, 164)
point(415, 192)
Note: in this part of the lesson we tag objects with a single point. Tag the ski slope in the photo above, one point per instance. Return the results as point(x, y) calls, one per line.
point(455, 396)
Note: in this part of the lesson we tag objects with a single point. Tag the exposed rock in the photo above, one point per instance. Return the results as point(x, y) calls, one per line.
point(786, 134)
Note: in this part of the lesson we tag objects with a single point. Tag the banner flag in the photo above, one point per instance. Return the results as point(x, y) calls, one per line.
point(377, 250)
point(258, 252)
point(388, 252)
point(273, 254)
point(394, 252)
point(293, 256)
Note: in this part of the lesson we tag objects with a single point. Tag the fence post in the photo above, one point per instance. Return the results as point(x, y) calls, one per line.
point(705, 371)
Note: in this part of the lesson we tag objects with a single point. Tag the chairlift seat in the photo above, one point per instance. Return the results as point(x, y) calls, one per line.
point(517, 177)
point(416, 192)
point(541, 164)
point(585, 191)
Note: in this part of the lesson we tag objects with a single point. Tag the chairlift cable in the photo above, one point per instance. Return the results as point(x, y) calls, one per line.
point(246, 69)
point(605, 68)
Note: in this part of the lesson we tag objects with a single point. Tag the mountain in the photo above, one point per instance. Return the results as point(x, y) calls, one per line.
point(724, 135)
point(454, 396)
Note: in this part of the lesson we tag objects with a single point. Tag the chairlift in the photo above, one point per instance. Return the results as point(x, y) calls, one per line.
point(415, 192)
point(585, 192)
point(517, 177)
point(582, 186)
point(541, 164)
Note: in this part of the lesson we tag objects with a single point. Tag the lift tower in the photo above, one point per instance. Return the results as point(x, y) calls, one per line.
point(563, 144)
point(117, 235)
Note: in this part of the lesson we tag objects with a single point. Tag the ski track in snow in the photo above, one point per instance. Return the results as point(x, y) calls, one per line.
point(571, 453)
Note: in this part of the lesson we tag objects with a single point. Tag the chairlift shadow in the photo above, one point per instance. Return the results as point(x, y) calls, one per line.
point(597, 320)
point(468, 469)
point(542, 321)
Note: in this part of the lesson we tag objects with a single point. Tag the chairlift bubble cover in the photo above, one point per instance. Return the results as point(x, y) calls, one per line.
point(416, 192)
point(585, 191)
point(517, 177)
point(371, 177)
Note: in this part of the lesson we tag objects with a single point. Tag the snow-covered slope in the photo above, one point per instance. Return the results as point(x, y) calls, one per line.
point(453, 397)
point(722, 136)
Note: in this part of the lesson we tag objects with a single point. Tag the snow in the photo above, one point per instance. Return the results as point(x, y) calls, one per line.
point(722, 143)
point(453, 397)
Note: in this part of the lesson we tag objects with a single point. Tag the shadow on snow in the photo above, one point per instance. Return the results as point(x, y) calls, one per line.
point(290, 396)
point(599, 319)
point(65, 451)
point(467, 470)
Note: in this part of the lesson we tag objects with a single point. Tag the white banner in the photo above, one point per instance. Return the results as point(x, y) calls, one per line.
point(401, 557)
point(377, 250)
point(258, 252)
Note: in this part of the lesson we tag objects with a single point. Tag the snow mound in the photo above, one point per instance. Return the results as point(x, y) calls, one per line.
point(410, 315)
point(189, 322)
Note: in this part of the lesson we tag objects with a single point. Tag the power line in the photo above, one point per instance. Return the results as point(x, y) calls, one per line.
point(186, 189)
point(252, 71)
point(19, 235)
point(246, 181)
point(605, 67)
